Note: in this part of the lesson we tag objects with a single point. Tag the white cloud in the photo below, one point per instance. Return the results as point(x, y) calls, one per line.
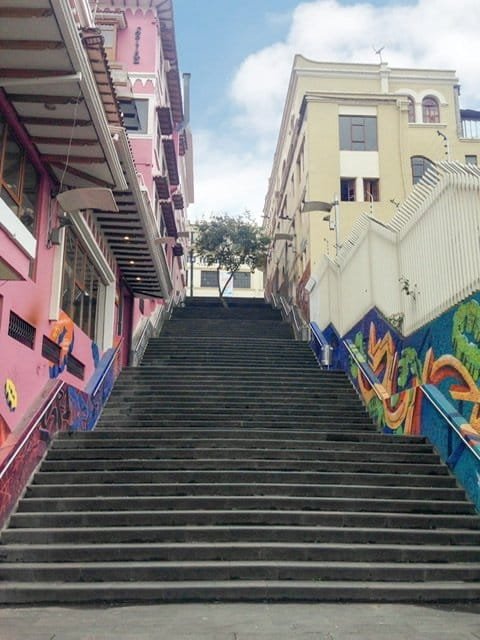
point(227, 180)
point(440, 34)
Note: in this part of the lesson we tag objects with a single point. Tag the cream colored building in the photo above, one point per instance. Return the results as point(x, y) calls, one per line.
point(244, 284)
point(362, 134)
point(202, 278)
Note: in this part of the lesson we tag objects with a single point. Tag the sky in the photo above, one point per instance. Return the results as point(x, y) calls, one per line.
point(240, 53)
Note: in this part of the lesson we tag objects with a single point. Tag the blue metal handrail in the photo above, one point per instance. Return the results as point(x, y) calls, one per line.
point(107, 368)
point(429, 392)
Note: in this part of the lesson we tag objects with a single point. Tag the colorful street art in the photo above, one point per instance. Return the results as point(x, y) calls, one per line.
point(66, 409)
point(4, 430)
point(426, 384)
point(402, 366)
point(11, 395)
point(62, 333)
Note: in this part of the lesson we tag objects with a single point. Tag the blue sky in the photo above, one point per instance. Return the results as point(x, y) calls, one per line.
point(240, 52)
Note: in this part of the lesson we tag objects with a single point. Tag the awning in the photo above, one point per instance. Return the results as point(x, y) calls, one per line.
point(177, 200)
point(164, 116)
point(169, 218)
point(49, 77)
point(162, 187)
point(171, 158)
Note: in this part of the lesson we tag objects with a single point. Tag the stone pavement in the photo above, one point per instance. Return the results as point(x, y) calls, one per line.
point(242, 622)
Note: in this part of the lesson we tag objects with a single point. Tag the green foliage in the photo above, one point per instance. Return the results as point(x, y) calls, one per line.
point(466, 336)
point(359, 343)
point(376, 411)
point(228, 242)
point(408, 365)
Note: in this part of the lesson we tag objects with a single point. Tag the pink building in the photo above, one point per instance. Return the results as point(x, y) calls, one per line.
point(95, 178)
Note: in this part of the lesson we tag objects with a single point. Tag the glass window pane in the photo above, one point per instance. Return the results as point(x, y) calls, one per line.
point(241, 280)
point(68, 273)
point(9, 201)
point(344, 127)
point(371, 134)
point(29, 197)
point(12, 165)
point(208, 279)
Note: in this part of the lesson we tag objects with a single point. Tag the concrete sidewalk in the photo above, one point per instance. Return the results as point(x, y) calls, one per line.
point(242, 622)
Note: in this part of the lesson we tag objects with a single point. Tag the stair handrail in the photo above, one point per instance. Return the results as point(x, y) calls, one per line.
point(291, 314)
point(150, 328)
point(361, 362)
point(113, 356)
point(429, 391)
point(21, 442)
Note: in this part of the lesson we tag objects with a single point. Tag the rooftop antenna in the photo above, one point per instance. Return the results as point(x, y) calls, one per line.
point(379, 52)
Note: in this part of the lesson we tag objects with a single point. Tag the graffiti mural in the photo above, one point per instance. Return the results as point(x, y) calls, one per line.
point(62, 333)
point(4, 430)
point(446, 354)
point(11, 395)
point(19, 463)
point(418, 384)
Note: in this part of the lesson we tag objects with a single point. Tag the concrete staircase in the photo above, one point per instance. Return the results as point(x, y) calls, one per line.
point(230, 467)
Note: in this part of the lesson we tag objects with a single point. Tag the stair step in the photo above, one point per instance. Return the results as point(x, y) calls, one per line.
point(125, 503)
point(62, 473)
point(258, 464)
point(226, 453)
point(238, 590)
point(214, 517)
point(239, 534)
point(38, 489)
point(102, 572)
point(239, 551)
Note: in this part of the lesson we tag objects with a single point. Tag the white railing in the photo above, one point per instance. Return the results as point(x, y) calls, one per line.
point(150, 327)
point(471, 129)
point(421, 263)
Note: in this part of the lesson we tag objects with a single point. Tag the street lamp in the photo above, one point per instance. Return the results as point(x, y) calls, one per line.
point(333, 221)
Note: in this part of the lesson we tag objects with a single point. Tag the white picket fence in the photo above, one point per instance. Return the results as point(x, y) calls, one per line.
point(421, 263)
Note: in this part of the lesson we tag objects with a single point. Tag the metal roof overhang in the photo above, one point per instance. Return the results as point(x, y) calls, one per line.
point(51, 78)
point(133, 234)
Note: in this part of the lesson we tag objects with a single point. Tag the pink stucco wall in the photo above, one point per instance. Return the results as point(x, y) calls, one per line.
point(29, 298)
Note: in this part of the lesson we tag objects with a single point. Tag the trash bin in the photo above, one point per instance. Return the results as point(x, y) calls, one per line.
point(326, 359)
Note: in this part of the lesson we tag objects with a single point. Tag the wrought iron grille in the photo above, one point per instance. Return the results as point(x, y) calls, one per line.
point(50, 350)
point(20, 330)
point(75, 367)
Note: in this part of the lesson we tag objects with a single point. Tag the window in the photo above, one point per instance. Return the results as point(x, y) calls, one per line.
point(371, 190)
point(242, 280)
point(471, 160)
point(420, 164)
point(208, 279)
point(135, 115)
point(19, 180)
point(347, 189)
point(358, 133)
point(430, 110)
point(411, 110)
point(80, 285)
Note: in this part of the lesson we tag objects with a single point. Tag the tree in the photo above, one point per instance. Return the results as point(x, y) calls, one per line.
point(228, 242)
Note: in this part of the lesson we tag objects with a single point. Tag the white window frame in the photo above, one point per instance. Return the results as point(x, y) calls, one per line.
point(105, 321)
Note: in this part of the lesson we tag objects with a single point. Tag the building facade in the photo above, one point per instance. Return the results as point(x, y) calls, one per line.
point(244, 284)
point(91, 209)
point(360, 135)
